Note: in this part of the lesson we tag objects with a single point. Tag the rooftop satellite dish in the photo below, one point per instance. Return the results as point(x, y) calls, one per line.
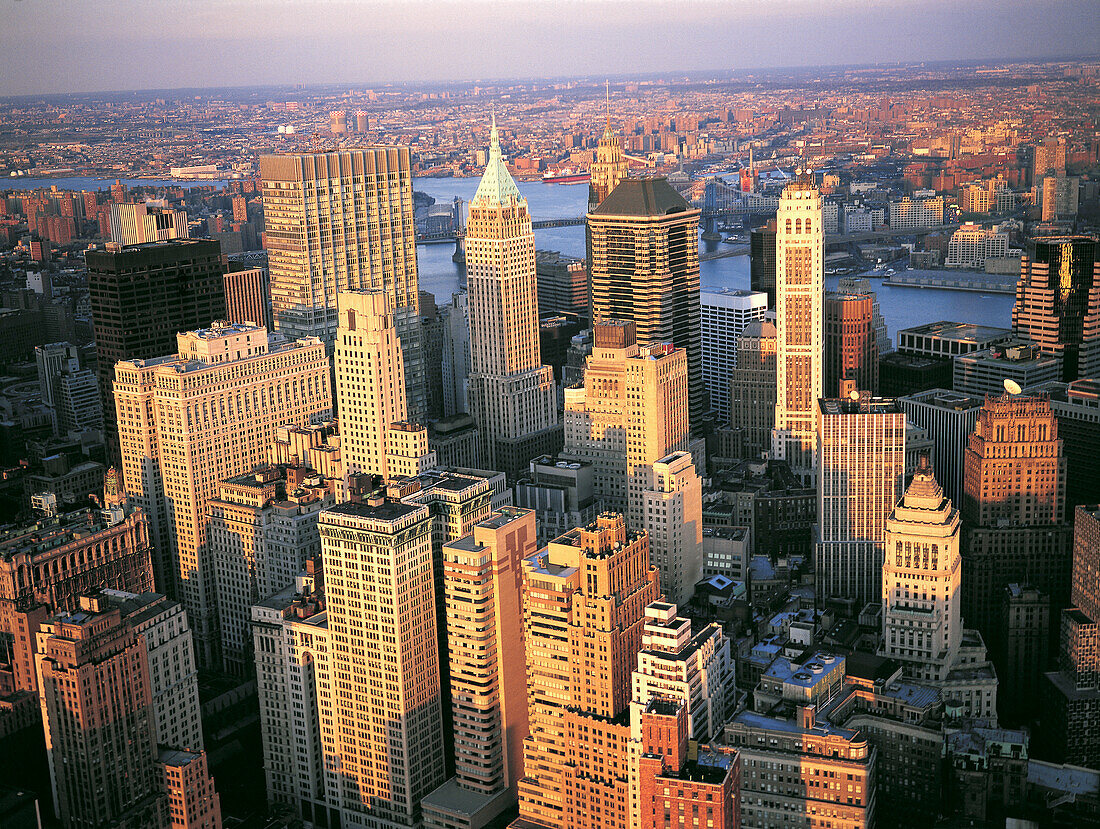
point(853, 394)
point(1012, 387)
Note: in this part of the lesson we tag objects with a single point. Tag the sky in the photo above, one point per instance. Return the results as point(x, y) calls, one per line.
point(53, 46)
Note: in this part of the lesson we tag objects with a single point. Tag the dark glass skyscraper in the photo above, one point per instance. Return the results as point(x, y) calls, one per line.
point(1058, 302)
point(762, 261)
point(645, 267)
point(141, 297)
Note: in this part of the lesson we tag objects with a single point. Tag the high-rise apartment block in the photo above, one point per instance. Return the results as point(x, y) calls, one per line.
point(1049, 159)
point(799, 272)
point(694, 668)
point(584, 600)
point(752, 388)
point(384, 661)
point(1075, 704)
point(192, 419)
point(645, 268)
point(248, 296)
point(1059, 197)
point(851, 344)
point(456, 353)
point(948, 418)
point(916, 212)
point(173, 677)
point(510, 394)
point(192, 801)
point(631, 411)
point(97, 711)
point(725, 315)
point(671, 512)
point(1013, 510)
point(341, 221)
point(861, 473)
point(972, 244)
point(483, 579)
point(139, 224)
point(262, 530)
point(141, 297)
point(1058, 302)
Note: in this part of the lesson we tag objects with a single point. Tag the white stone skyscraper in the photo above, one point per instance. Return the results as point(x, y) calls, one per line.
point(921, 581)
point(799, 272)
point(189, 420)
point(511, 395)
point(375, 435)
point(335, 221)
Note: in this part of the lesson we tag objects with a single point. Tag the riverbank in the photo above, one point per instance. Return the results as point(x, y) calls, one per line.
point(973, 281)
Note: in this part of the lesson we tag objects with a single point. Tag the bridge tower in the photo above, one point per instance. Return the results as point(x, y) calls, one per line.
point(710, 211)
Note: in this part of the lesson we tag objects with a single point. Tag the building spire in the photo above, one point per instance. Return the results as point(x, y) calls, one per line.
point(607, 90)
point(497, 185)
point(494, 136)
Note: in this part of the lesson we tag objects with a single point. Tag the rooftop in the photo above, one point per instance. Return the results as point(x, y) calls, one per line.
point(966, 331)
point(643, 197)
point(386, 511)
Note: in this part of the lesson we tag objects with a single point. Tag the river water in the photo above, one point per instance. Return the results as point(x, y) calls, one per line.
point(902, 307)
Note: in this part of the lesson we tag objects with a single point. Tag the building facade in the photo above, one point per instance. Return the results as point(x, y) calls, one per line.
point(339, 221)
point(645, 268)
point(753, 388)
point(725, 315)
point(193, 419)
point(510, 394)
point(799, 272)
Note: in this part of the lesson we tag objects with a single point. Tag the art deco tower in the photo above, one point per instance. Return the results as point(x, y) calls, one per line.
point(510, 394)
point(337, 221)
point(921, 579)
point(609, 168)
point(799, 251)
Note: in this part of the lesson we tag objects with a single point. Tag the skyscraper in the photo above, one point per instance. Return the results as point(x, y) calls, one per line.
point(948, 418)
point(799, 251)
point(921, 581)
point(752, 388)
point(1071, 718)
point(861, 472)
point(585, 597)
point(851, 347)
point(511, 396)
point(248, 296)
point(609, 168)
point(645, 268)
point(483, 577)
point(384, 662)
point(337, 221)
point(1013, 510)
point(139, 224)
point(631, 411)
point(141, 297)
point(762, 260)
point(725, 315)
point(370, 381)
point(671, 512)
point(97, 711)
point(1058, 302)
point(192, 419)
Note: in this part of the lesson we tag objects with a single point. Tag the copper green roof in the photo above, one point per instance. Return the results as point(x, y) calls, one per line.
point(497, 185)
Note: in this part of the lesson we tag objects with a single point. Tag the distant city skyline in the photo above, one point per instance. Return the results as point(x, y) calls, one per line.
point(139, 45)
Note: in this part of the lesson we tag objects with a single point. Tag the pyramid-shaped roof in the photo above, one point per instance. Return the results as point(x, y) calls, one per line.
point(497, 185)
point(652, 196)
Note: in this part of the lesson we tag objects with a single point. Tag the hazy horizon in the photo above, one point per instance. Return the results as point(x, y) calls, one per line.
point(134, 45)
